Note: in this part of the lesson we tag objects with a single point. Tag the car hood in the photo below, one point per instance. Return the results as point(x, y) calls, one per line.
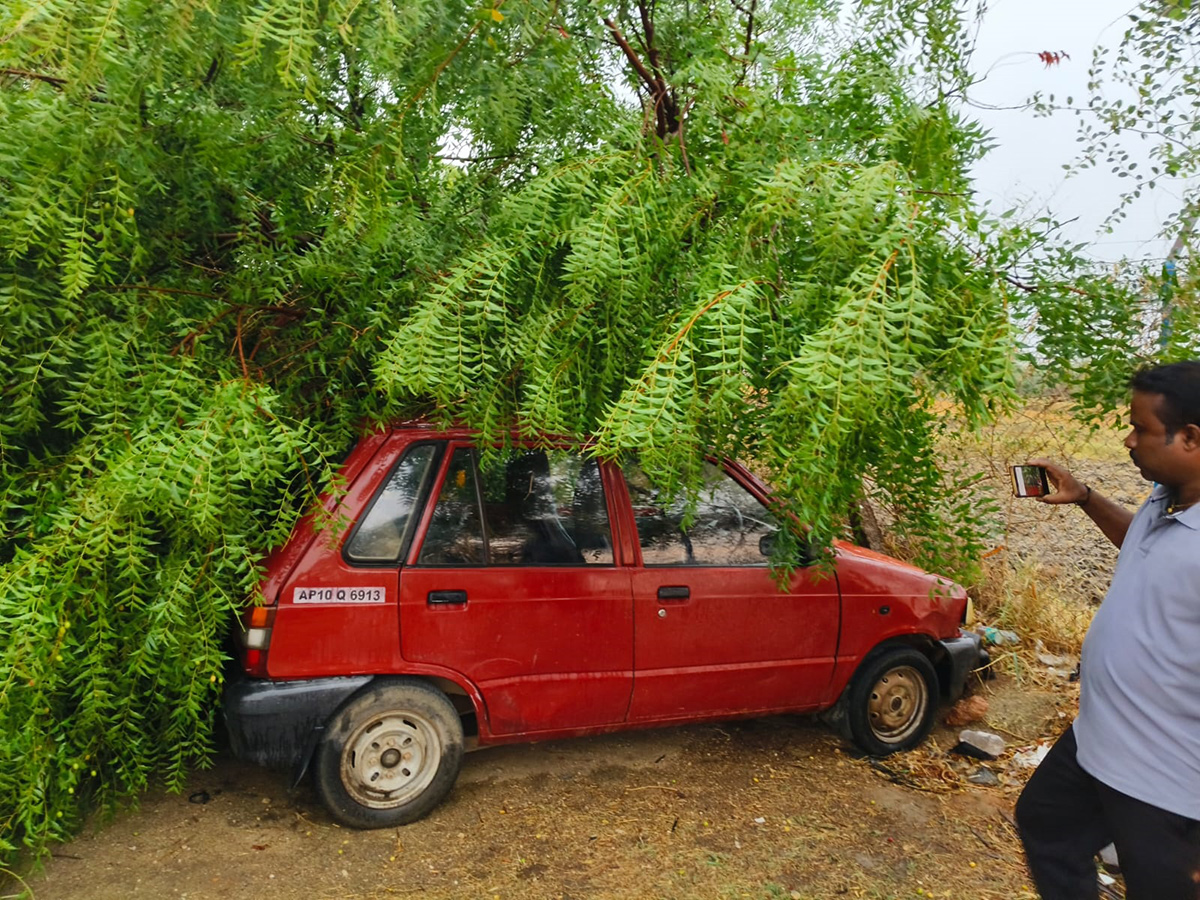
point(888, 573)
point(846, 549)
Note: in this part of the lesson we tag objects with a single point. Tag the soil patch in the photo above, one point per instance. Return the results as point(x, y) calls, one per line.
point(765, 808)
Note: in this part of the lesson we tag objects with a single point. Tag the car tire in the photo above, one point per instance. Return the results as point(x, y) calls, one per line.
point(389, 755)
point(892, 701)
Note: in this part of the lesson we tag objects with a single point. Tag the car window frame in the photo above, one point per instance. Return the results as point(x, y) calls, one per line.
point(740, 476)
point(429, 480)
point(415, 549)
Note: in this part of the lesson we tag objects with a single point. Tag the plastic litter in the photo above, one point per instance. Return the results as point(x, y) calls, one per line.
point(979, 744)
point(1031, 758)
point(1053, 661)
point(985, 776)
point(997, 636)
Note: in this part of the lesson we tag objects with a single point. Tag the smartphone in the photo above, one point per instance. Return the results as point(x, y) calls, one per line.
point(1030, 481)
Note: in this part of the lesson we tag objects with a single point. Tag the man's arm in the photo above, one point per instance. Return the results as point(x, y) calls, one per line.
point(1110, 518)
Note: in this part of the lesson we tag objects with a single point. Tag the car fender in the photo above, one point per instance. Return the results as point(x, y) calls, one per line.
point(453, 684)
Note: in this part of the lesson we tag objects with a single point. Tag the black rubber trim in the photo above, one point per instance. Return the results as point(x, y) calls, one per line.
point(966, 654)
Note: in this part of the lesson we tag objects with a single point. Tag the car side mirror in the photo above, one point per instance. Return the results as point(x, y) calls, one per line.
point(766, 546)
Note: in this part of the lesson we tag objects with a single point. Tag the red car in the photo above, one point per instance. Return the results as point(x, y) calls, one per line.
point(525, 594)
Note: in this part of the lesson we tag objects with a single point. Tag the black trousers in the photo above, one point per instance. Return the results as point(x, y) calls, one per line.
point(1065, 816)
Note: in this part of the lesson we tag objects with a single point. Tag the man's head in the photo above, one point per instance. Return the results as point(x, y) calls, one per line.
point(1164, 441)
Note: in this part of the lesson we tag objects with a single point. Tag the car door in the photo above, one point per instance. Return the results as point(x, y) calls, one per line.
point(336, 609)
point(714, 633)
point(513, 583)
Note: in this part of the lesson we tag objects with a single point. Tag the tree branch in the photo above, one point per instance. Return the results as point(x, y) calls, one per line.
point(749, 29)
point(441, 67)
point(1033, 288)
point(157, 290)
point(494, 158)
point(651, 50)
point(631, 55)
point(682, 144)
point(666, 111)
point(188, 343)
point(24, 73)
point(241, 350)
point(213, 69)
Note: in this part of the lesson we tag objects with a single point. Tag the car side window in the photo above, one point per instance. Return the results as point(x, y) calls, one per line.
point(383, 530)
point(545, 509)
point(727, 528)
point(455, 533)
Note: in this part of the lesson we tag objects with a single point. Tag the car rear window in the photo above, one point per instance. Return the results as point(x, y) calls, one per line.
point(384, 529)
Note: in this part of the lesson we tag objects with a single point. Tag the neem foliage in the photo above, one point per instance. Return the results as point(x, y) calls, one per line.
point(232, 233)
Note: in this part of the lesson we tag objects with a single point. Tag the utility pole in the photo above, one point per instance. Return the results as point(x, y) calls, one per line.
point(1170, 281)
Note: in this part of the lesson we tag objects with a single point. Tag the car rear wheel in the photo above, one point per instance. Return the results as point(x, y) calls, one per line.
point(892, 701)
point(389, 755)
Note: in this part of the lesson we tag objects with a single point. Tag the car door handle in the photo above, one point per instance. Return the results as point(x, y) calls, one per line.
point(674, 592)
point(446, 598)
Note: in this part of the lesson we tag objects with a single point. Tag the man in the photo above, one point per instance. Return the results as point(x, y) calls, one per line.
point(1128, 770)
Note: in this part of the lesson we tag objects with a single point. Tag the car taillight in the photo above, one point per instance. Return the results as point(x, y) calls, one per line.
point(257, 622)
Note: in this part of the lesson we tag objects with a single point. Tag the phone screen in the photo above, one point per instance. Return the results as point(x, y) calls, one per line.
point(1030, 481)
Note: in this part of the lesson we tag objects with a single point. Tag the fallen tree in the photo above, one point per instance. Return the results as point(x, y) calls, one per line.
point(232, 237)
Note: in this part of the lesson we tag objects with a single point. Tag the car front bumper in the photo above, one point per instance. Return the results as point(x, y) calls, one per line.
point(965, 654)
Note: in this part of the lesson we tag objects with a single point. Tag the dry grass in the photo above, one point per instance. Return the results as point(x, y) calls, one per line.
point(1049, 566)
point(1043, 427)
point(1033, 605)
point(1029, 582)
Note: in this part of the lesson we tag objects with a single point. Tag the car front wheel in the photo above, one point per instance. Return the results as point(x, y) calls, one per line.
point(892, 701)
point(390, 755)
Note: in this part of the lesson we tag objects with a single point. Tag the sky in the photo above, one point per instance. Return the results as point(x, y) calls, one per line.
point(1026, 168)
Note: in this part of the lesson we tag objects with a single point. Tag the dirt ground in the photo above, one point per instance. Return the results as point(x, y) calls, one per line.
point(765, 808)
point(768, 808)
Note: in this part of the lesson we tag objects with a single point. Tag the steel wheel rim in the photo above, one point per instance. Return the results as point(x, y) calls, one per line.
point(897, 703)
point(390, 759)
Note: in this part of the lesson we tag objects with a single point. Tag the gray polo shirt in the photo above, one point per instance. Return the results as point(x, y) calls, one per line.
point(1138, 727)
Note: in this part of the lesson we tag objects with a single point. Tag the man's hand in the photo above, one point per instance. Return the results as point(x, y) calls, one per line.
point(1109, 517)
point(1067, 489)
